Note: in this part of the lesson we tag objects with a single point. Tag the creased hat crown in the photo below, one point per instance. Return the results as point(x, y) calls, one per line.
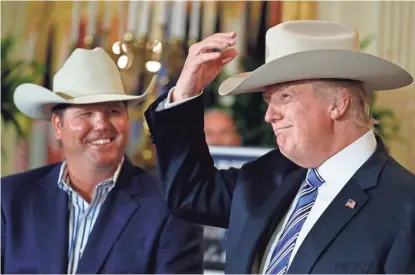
point(88, 72)
point(306, 35)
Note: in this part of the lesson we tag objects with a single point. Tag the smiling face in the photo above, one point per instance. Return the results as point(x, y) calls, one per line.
point(300, 120)
point(93, 135)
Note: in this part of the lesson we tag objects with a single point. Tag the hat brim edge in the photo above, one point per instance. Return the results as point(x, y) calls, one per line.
point(37, 102)
point(375, 73)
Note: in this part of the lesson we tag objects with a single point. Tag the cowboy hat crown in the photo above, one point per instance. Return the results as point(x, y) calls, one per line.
point(86, 77)
point(76, 74)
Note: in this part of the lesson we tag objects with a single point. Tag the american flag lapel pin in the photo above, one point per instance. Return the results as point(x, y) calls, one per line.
point(351, 203)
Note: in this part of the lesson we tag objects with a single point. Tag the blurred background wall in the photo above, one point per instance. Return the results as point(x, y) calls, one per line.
point(147, 38)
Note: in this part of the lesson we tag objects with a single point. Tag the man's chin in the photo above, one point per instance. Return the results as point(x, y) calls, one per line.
point(282, 146)
point(282, 142)
point(287, 149)
point(103, 162)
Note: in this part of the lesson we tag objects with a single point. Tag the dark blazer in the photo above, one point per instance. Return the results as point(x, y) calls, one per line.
point(134, 232)
point(377, 236)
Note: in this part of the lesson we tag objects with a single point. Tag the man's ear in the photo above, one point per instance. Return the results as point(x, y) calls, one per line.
point(57, 126)
point(340, 104)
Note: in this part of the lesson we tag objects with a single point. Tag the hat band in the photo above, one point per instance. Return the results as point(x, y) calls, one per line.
point(64, 95)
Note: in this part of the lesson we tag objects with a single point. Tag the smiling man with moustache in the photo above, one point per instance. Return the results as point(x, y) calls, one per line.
point(329, 199)
point(95, 212)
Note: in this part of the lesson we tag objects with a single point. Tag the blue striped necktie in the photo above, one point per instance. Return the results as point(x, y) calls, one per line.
point(286, 243)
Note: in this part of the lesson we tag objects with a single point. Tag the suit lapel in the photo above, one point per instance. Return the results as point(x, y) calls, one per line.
point(51, 216)
point(118, 208)
point(337, 214)
point(328, 226)
point(257, 226)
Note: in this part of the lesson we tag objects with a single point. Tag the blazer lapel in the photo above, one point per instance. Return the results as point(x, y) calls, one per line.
point(337, 214)
point(51, 216)
point(256, 228)
point(119, 206)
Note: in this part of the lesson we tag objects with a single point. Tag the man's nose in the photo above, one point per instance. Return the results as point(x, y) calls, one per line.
point(272, 114)
point(100, 121)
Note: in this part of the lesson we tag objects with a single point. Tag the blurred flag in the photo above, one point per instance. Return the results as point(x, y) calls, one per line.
point(351, 203)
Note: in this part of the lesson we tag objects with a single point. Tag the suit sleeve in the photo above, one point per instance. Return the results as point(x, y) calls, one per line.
point(401, 258)
point(180, 248)
point(194, 189)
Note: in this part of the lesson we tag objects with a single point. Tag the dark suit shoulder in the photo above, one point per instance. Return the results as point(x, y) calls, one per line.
point(25, 179)
point(399, 179)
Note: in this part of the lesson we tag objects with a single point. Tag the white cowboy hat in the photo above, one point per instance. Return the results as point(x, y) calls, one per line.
point(87, 76)
point(312, 49)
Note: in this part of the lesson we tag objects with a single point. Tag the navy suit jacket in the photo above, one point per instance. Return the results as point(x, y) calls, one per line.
point(134, 232)
point(377, 236)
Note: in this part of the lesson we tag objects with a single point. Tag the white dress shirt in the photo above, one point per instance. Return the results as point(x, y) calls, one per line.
point(336, 172)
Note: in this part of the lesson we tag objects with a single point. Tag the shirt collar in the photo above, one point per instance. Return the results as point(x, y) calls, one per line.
point(343, 165)
point(64, 181)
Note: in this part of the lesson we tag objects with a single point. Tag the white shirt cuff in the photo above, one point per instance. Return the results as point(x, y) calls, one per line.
point(169, 104)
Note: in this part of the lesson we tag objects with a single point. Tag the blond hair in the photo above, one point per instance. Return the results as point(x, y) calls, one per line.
point(359, 111)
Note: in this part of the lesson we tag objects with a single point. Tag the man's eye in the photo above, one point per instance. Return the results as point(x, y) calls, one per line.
point(86, 114)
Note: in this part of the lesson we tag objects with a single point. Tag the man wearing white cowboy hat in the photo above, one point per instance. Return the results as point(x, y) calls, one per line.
point(95, 212)
point(329, 199)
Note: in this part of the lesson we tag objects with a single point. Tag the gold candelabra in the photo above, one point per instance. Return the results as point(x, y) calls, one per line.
point(139, 59)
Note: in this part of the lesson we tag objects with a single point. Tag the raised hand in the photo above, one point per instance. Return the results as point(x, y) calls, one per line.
point(203, 63)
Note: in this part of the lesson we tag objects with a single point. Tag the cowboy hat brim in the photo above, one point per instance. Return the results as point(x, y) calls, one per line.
point(37, 102)
point(375, 73)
